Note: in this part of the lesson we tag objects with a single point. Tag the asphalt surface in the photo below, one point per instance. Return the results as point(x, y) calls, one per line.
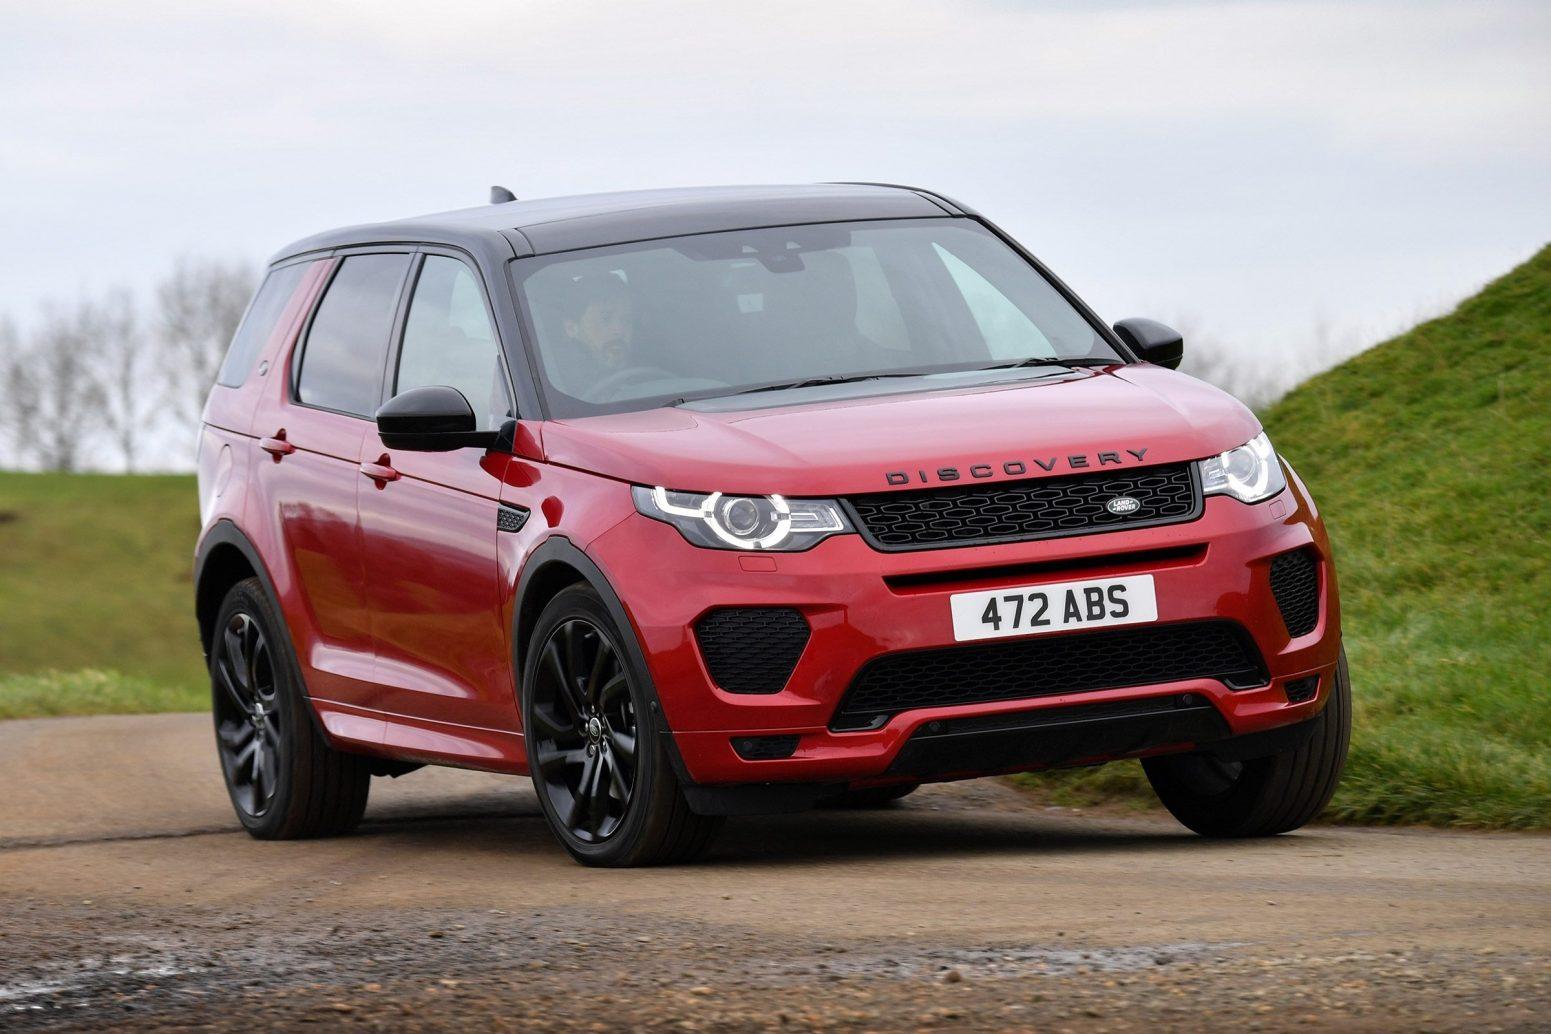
point(129, 897)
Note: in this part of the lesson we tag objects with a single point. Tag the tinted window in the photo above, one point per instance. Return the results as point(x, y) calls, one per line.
point(263, 316)
point(704, 316)
point(448, 340)
point(348, 342)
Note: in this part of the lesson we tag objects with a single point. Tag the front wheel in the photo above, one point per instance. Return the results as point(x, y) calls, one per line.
point(595, 743)
point(1262, 796)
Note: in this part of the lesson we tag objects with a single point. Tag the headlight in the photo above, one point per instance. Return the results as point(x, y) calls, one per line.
point(753, 522)
point(1249, 473)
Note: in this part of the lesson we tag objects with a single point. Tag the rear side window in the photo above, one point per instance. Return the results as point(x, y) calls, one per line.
point(348, 343)
point(259, 324)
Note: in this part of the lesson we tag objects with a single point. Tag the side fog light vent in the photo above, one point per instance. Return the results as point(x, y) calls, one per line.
point(764, 748)
point(1302, 690)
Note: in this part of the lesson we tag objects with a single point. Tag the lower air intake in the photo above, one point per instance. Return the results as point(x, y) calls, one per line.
point(1047, 666)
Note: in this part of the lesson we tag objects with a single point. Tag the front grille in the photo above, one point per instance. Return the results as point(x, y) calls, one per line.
point(1017, 511)
point(1295, 584)
point(1047, 666)
point(751, 649)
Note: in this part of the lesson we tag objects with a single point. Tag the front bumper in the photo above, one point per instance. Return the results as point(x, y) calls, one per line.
point(860, 603)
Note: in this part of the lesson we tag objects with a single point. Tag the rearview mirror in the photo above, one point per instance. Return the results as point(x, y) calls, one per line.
point(432, 419)
point(1152, 341)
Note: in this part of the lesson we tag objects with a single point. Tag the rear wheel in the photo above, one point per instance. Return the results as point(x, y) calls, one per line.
point(284, 780)
point(595, 744)
point(1262, 796)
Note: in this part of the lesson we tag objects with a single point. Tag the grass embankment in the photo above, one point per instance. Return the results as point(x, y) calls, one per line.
point(1430, 457)
point(96, 595)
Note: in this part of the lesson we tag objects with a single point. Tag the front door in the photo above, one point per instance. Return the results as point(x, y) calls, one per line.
point(429, 521)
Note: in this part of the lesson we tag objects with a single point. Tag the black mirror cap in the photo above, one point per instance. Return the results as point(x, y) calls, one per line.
point(431, 419)
point(1152, 341)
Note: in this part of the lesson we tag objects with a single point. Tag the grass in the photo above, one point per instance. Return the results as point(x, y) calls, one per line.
point(92, 691)
point(1429, 456)
point(96, 595)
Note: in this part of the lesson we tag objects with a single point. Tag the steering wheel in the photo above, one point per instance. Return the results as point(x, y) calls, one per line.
point(608, 389)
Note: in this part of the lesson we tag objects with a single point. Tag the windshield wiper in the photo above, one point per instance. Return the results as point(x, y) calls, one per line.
point(1051, 361)
point(814, 382)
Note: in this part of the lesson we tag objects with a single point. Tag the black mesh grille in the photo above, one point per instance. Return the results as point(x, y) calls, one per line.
point(751, 649)
point(1047, 666)
point(1016, 511)
point(1295, 584)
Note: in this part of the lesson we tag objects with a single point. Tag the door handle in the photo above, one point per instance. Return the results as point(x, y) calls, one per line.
point(379, 472)
point(277, 446)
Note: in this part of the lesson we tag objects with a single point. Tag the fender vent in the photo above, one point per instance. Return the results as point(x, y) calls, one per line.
point(1295, 584)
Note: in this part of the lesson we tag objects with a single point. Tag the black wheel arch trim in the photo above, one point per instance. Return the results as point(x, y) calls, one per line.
point(558, 549)
point(225, 532)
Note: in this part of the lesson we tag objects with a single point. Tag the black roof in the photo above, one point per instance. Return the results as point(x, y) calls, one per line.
point(520, 228)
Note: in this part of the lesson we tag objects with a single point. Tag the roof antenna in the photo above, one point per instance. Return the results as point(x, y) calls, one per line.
point(500, 196)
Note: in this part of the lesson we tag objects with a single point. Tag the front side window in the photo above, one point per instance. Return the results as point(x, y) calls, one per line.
point(706, 316)
point(448, 339)
point(259, 324)
point(341, 364)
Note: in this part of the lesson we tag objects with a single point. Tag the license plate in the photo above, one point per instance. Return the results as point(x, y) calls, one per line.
point(1056, 607)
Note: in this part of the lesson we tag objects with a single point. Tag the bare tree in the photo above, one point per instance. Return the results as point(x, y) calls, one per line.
point(1235, 372)
point(121, 372)
point(53, 382)
point(198, 308)
point(17, 400)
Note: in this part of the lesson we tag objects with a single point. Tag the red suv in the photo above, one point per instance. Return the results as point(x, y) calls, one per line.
point(694, 503)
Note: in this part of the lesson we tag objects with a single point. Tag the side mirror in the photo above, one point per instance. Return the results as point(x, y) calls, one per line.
point(432, 419)
point(1152, 341)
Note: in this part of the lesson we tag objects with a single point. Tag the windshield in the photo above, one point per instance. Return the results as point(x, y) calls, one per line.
point(642, 325)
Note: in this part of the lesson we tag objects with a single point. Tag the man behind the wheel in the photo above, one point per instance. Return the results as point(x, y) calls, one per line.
point(598, 318)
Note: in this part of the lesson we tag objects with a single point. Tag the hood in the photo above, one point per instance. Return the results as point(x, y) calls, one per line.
point(1121, 416)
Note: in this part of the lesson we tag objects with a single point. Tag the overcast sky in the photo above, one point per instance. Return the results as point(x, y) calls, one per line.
point(1253, 169)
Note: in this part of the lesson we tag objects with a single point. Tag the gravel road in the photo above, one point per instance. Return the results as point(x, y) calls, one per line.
point(129, 898)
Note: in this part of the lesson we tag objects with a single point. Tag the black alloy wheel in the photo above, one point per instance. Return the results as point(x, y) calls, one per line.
point(585, 730)
point(247, 714)
point(599, 750)
point(285, 779)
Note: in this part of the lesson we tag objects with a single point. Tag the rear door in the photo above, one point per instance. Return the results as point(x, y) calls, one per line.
point(429, 521)
point(311, 432)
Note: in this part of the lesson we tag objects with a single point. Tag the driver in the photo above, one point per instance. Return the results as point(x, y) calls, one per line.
point(598, 319)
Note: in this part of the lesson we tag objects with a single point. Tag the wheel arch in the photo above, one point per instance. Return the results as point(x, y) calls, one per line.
point(226, 556)
point(555, 564)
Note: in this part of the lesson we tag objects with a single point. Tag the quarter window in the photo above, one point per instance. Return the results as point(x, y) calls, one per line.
point(448, 339)
point(348, 343)
point(259, 324)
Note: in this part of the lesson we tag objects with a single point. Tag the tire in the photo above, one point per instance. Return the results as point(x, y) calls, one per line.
point(871, 797)
point(284, 780)
point(596, 743)
point(1263, 796)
